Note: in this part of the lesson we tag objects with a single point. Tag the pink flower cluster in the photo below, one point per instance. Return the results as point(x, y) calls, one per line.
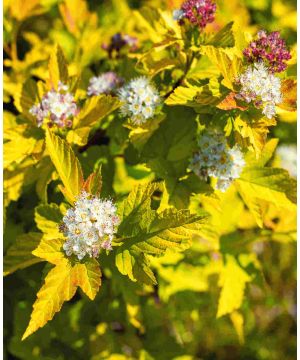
point(268, 48)
point(198, 12)
point(105, 83)
point(58, 107)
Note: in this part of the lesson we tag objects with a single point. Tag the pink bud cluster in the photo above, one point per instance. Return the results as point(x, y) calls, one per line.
point(198, 12)
point(58, 107)
point(270, 49)
point(118, 42)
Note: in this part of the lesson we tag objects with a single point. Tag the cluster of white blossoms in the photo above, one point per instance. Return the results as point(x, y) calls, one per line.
point(89, 226)
point(216, 159)
point(58, 107)
point(261, 87)
point(105, 83)
point(288, 158)
point(140, 100)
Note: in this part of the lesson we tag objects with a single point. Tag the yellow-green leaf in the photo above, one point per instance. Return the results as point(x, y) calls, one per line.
point(94, 110)
point(47, 218)
point(229, 65)
point(66, 164)
point(19, 255)
point(233, 280)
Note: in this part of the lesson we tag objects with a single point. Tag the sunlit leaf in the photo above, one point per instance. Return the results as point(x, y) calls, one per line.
point(66, 164)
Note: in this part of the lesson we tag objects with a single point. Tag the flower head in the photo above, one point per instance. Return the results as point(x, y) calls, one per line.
point(89, 226)
point(216, 159)
point(288, 158)
point(140, 100)
point(58, 107)
point(198, 12)
point(261, 88)
point(106, 83)
point(270, 49)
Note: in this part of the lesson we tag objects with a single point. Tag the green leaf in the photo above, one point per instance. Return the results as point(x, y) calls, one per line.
point(136, 266)
point(135, 210)
point(170, 148)
point(47, 218)
point(139, 135)
point(58, 67)
point(19, 255)
point(45, 169)
point(145, 232)
point(26, 98)
point(233, 280)
point(66, 164)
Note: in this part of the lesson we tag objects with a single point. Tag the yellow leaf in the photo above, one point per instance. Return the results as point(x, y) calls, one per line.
point(57, 289)
point(229, 65)
point(66, 164)
point(23, 9)
point(74, 13)
point(16, 150)
point(88, 277)
point(289, 95)
point(60, 285)
point(238, 323)
point(58, 68)
point(50, 250)
point(233, 280)
point(79, 136)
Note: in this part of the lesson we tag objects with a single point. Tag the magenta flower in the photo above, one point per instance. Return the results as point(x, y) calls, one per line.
point(198, 12)
point(270, 49)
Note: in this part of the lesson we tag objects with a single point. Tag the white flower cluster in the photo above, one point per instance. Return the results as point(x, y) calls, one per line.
point(140, 100)
point(89, 226)
point(261, 87)
point(58, 107)
point(178, 14)
point(214, 158)
point(103, 84)
point(288, 158)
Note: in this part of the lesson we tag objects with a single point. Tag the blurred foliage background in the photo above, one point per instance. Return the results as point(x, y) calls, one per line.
point(178, 320)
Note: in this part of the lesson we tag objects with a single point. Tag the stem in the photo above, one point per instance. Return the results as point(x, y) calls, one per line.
point(189, 61)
